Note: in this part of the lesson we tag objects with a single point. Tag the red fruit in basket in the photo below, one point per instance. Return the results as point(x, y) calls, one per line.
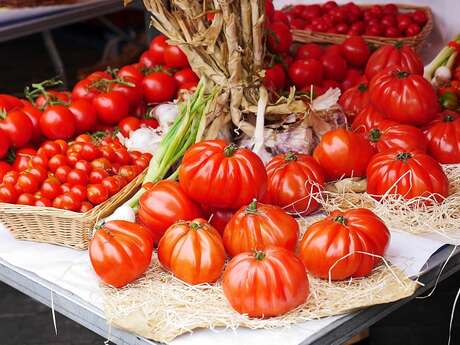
point(334, 66)
point(79, 191)
point(280, 16)
point(355, 50)
point(376, 29)
point(56, 161)
point(309, 50)
point(17, 127)
point(26, 199)
point(4, 168)
point(175, 57)
point(330, 84)
point(298, 23)
point(132, 72)
point(376, 11)
point(69, 202)
point(392, 31)
point(39, 172)
point(394, 55)
point(49, 149)
point(309, 12)
point(353, 78)
point(404, 20)
point(159, 87)
point(97, 175)
point(157, 49)
point(27, 183)
point(420, 17)
point(389, 20)
point(51, 188)
point(62, 172)
point(97, 193)
point(76, 176)
point(412, 30)
point(90, 151)
point(390, 9)
point(66, 187)
point(57, 122)
point(341, 28)
point(357, 28)
point(8, 193)
point(279, 37)
point(329, 5)
point(85, 206)
point(305, 72)
point(275, 77)
point(111, 107)
point(10, 177)
point(319, 25)
point(129, 171)
point(43, 202)
point(112, 184)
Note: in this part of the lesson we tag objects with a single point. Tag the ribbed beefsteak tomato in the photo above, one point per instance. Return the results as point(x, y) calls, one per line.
point(407, 173)
point(367, 119)
point(265, 283)
point(222, 175)
point(162, 205)
point(403, 97)
point(193, 251)
point(405, 137)
point(443, 135)
point(292, 179)
point(327, 246)
point(354, 100)
point(257, 226)
point(394, 55)
point(120, 252)
point(342, 153)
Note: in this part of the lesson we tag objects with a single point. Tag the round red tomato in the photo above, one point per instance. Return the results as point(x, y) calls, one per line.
point(111, 107)
point(26, 199)
point(292, 179)
point(157, 49)
point(84, 115)
point(246, 275)
point(355, 50)
point(34, 116)
point(334, 66)
point(27, 183)
point(403, 97)
point(394, 56)
point(405, 137)
point(192, 251)
point(159, 87)
point(51, 188)
point(275, 77)
point(97, 175)
point(352, 78)
point(84, 90)
point(120, 252)
point(212, 166)
point(309, 51)
point(367, 119)
point(408, 173)
point(279, 38)
point(57, 122)
point(76, 176)
point(218, 218)
point(354, 100)
point(8, 193)
point(256, 226)
point(131, 90)
point(42, 202)
point(147, 59)
point(185, 76)
point(342, 153)
point(175, 57)
point(97, 193)
point(4, 144)
point(305, 72)
point(164, 204)
point(129, 124)
point(131, 72)
point(4, 168)
point(17, 126)
point(112, 184)
point(443, 135)
point(62, 172)
point(328, 247)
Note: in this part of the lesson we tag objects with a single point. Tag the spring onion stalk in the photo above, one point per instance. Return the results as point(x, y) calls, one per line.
point(446, 57)
point(184, 132)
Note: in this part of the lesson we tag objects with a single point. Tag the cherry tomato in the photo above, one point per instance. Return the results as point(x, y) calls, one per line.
point(79, 191)
point(141, 162)
point(355, 50)
point(175, 57)
point(352, 78)
point(43, 202)
point(122, 156)
point(159, 87)
point(73, 157)
point(83, 166)
point(66, 187)
point(84, 138)
point(84, 115)
point(85, 206)
point(101, 163)
point(275, 77)
point(27, 183)
point(112, 184)
point(4, 168)
point(34, 116)
point(132, 72)
point(149, 121)
point(412, 30)
point(97, 193)
point(44, 100)
point(305, 72)
point(280, 16)
point(132, 92)
point(56, 161)
point(111, 107)
point(420, 17)
point(84, 90)
point(57, 122)
point(76, 176)
point(334, 66)
point(69, 202)
point(39, 172)
point(108, 153)
point(10, 177)
point(4, 144)
point(391, 9)
point(279, 38)
point(49, 149)
point(147, 59)
point(97, 175)
point(404, 20)
point(90, 152)
point(26, 199)
point(309, 50)
point(21, 161)
point(8, 193)
point(51, 187)
point(129, 124)
point(62, 172)
point(128, 171)
point(184, 76)
point(98, 75)
point(17, 126)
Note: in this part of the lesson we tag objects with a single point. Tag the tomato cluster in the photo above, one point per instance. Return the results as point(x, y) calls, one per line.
point(74, 176)
point(350, 19)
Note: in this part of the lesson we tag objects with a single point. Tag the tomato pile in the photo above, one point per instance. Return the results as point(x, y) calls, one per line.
point(350, 19)
point(73, 176)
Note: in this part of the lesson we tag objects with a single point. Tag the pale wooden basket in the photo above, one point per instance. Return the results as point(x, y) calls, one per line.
point(308, 36)
point(61, 227)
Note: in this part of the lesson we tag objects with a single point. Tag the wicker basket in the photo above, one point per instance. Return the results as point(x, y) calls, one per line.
point(61, 227)
point(307, 36)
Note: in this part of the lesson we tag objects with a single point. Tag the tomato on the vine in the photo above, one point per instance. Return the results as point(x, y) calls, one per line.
point(17, 126)
point(111, 107)
point(279, 37)
point(157, 49)
point(57, 122)
point(175, 57)
point(84, 115)
point(159, 87)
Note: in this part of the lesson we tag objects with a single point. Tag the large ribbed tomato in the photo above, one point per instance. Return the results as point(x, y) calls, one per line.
point(163, 204)
point(326, 242)
point(406, 137)
point(120, 252)
point(394, 55)
point(443, 135)
point(403, 97)
point(407, 173)
point(192, 251)
point(342, 153)
point(367, 119)
point(265, 283)
point(222, 175)
point(354, 100)
point(292, 179)
point(257, 226)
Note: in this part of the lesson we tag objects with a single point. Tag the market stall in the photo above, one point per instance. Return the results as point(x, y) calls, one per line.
point(285, 155)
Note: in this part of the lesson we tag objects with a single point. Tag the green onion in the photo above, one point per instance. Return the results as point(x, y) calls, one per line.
point(444, 58)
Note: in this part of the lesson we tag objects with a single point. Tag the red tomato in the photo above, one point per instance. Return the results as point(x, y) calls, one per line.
point(218, 218)
point(132, 91)
point(27, 183)
point(62, 172)
point(57, 122)
point(39, 172)
point(405, 137)
point(257, 226)
point(85, 206)
point(159, 87)
point(131, 72)
point(51, 188)
point(355, 50)
point(392, 31)
point(10, 177)
point(76, 176)
point(4, 168)
point(157, 49)
point(97, 194)
point(275, 78)
point(175, 57)
point(391, 9)
point(112, 184)
point(102, 163)
point(309, 51)
point(43, 202)
point(65, 187)
point(122, 156)
point(34, 116)
point(164, 204)
point(237, 170)
point(342, 153)
point(108, 153)
point(147, 59)
point(185, 76)
point(398, 55)
point(328, 247)
point(443, 135)
point(279, 38)
point(4, 144)
point(404, 20)
point(98, 75)
point(69, 201)
point(354, 100)
point(8, 102)
point(334, 66)
point(280, 16)
point(26, 199)
point(84, 166)
point(120, 252)
point(128, 171)
point(407, 173)
point(305, 72)
point(413, 30)
point(84, 115)
point(49, 96)
point(129, 124)
point(420, 17)
point(56, 161)
point(79, 191)
point(49, 149)
point(245, 275)
point(97, 175)
point(84, 90)
point(403, 97)
point(89, 152)
point(8, 193)
point(292, 179)
point(17, 126)
point(269, 10)
point(111, 107)
point(192, 251)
